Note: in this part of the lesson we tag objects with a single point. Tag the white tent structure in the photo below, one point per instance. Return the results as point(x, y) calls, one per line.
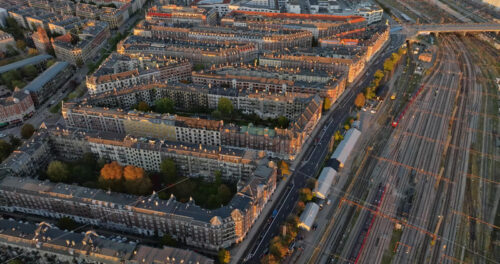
point(308, 216)
point(324, 183)
point(346, 146)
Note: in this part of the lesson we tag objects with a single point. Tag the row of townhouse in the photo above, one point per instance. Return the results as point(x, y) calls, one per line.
point(33, 17)
point(186, 222)
point(322, 59)
point(265, 104)
point(284, 143)
point(174, 14)
point(319, 25)
point(45, 241)
point(266, 39)
point(206, 52)
point(165, 127)
point(121, 71)
point(328, 84)
point(367, 42)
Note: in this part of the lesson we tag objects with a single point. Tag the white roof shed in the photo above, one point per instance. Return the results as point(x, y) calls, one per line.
point(308, 216)
point(324, 183)
point(346, 146)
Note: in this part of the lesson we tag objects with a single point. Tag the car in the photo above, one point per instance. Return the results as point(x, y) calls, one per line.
point(2, 135)
point(373, 111)
point(328, 202)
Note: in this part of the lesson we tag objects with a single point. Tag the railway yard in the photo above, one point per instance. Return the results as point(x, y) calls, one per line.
point(426, 190)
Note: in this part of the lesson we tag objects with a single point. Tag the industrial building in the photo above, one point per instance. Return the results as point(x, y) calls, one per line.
point(346, 146)
point(308, 216)
point(324, 182)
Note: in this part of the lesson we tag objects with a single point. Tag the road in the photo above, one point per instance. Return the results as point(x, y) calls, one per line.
point(317, 153)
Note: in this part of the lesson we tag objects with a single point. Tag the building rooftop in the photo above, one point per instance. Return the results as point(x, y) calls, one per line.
point(46, 76)
point(29, 61)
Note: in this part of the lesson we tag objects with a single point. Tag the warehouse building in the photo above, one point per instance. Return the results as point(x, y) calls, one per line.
point(324, 182)
point(308, 216)
point(346, 146)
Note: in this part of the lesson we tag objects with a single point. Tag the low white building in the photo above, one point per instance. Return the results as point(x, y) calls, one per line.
point(308, 217)
point(346, 146)
point(324, 182)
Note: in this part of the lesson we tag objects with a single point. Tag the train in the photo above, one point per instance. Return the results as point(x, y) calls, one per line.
point(396, 121)
point(367, 225)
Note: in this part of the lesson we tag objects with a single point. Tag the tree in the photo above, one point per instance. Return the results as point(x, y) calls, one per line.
point(18, 84)
point(224, 194)
point(283, 122)
point(164, 105)
point(338, 136)
point(327, 103)
point(168, 240)
point(132, 173)
point(79, 62)
point(379, 74)
point(311, 183)
point(143, 107)
point(305, 195)
point(300, 207)
point(169, 171)
point(20, 44)
point(27, 131)
point(360, 100)
point(277, 248)
point(198, 67)
point(58, 171)
point(218, 178)
point(216, 114)
point(224, 256)
point(66, 223)
point(50, 63)
point(15, 141)
point(269, 259)
point(225, 106)
point(82, 173)
point(16, 261)
point(140, 186)
point(5, 149)
point(30, 71)
point(112, 171)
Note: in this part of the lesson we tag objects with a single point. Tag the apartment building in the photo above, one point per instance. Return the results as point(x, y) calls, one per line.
point(322, 59)
point(319, 25)
point(120, 71)
point(41, 40)
point(188, 223)
point(88, 247)
point(27, 160)
point(197, 51)
point(185, 96)
point(16, 108)
point(165, 127)
point(6, 40)
point(48, 82)
point(91, 39)
point(281, 143)
point(266, 39)
point(173, 14)
point(88, 11)
point(115, 17)
point(277, 80)
point(366, 43)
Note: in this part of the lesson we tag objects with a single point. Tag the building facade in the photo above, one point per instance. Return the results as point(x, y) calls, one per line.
point(16, 108)
point(121, 71)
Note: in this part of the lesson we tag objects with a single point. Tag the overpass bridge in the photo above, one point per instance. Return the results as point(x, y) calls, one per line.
point(417, 29)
